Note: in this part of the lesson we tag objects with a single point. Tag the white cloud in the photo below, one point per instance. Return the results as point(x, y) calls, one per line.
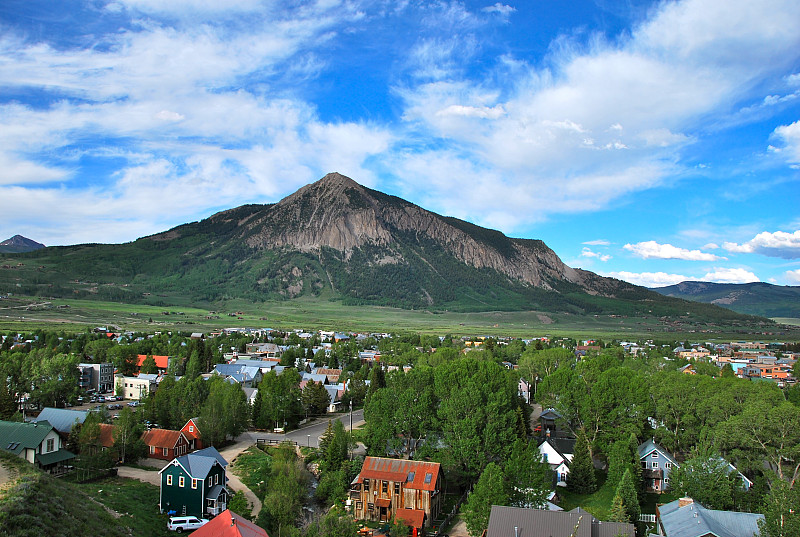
point(730, 275)
point(789, 135)
point(689, 60)
point(778, 244)
point(597, 242)
point(499, 8)
point(654, 250)
point(792, 276)
point(648, 279)
point(472, 111)
point(711, 246)
point(587, 252)
point(662, 279)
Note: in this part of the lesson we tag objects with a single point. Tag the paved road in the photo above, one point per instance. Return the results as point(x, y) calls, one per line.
point(308, 435)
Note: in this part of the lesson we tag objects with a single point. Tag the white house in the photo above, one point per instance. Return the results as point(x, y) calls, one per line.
point(558, 453)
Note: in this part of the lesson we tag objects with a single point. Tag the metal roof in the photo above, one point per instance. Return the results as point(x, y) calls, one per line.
point(694, 520)
point(16, 436)
point(523, 522)
point(199, 463)
point(401, 471)
point(62, 419)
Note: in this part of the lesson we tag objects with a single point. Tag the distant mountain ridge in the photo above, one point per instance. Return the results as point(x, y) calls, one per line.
point(338, 240)
point(18, 244)
point(758, 298)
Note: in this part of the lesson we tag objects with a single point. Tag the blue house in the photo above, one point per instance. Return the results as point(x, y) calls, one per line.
point(657, 464)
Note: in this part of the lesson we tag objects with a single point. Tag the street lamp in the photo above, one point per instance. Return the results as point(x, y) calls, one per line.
point(308, 440)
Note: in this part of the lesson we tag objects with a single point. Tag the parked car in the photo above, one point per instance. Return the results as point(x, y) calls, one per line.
point(133, 403)
point(185, 523)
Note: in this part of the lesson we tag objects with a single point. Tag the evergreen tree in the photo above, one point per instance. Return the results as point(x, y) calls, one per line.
point(619, 459)
point(528, 477)
point(626, 490)
point(377, 379)
point(489, 490)
point(781, 511)
point(618, 513)
point(7, 404)
point(581, 478)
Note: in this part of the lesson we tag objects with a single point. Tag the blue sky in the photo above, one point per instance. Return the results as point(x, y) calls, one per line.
point(651, 141)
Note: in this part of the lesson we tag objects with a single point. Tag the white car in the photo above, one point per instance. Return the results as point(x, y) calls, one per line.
point(185, 523)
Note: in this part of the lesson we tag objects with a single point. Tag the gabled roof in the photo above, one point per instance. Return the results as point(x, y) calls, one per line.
point(563, 446)
point(425, 474)
point(523, 522)
point(17, 436)
point(191, 434)
point(199, 463)
point(162, 362)
point(694, 520)
point(163, 438)
point(550, 414)
point(62, 419)
point(229, 524)
point(646, 448)
point(106, 435)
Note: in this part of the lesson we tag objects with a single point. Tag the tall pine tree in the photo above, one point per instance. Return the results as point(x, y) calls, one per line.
point(626, 490)
point(581, 478)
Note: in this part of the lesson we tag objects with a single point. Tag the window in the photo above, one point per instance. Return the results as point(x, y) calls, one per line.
point(194, 483)
point(152, 450)
point(181, 481)
point(210, 481)
point(654, 455)
point(166, 451)
point(410, 477)
point(428, 478)
point(366, 485)
point(169, 479)
point(216, 479)
point(384, 487)
point(359, 506)
point(191, 428)
point(668, 465)
point(396, 487)
point(50, 443)
point(654, 464)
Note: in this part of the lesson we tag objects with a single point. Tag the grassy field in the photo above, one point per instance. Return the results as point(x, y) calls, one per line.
point(33, 503)
point(23, 313)
point(253, 468)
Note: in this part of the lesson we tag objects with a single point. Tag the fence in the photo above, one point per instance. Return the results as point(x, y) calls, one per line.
point(275, 442)
point(441, 526)
point(644, 517)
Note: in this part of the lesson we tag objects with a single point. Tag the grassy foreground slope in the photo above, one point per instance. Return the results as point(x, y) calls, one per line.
point(33, 503)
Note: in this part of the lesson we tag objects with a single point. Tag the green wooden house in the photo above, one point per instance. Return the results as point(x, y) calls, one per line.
point(38, 443)
point(195, 484)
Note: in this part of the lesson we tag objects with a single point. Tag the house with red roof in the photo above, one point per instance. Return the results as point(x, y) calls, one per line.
point(162, 362)
point(192, 434)
point(229, 524)
point(165, 444)
point(410, 491)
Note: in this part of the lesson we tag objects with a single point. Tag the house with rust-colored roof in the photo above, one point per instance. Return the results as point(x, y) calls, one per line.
point(229, 524)
point(192, 434)
point(411, 491)
point(165, 444)
point(162, 362)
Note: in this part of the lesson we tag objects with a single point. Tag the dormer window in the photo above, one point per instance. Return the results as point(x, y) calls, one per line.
point(410, 477)
point(428, 478)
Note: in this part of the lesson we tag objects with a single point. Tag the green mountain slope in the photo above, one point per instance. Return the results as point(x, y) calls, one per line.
point(758, 298)
point(335, 240)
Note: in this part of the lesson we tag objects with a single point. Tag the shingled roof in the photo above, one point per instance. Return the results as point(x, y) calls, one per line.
point(417, 475)
point(199, 463)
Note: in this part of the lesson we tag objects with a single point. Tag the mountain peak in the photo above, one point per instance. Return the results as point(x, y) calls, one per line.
point(19, 244)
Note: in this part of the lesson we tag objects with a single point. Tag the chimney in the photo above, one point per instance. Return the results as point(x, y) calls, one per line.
point(683, 502)
point(548, 432)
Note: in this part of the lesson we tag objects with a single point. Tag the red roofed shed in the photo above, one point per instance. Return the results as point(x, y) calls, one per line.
point(165, 444)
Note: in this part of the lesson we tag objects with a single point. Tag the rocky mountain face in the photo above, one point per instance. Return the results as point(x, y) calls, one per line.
point(340, 214)
point(18, 243)
point(337, 240)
